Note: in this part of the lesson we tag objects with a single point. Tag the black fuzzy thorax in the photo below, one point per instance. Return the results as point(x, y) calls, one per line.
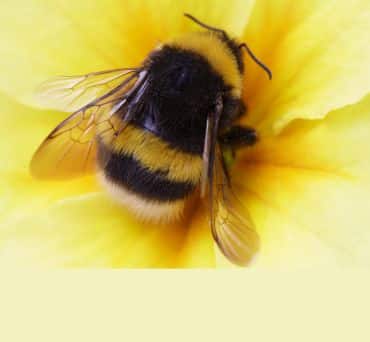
point(180, 93)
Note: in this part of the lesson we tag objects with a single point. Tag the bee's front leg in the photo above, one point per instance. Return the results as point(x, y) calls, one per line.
point(234, 138)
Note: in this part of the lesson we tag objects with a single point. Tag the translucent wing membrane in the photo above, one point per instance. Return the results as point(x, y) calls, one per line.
point(70, 93)
point(70, 149)
point(231, 224)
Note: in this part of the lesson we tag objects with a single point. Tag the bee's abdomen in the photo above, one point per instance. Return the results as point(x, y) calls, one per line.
point(128, 172)
point(148, 175)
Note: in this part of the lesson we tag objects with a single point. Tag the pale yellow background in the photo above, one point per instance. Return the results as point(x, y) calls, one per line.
point(227, 305)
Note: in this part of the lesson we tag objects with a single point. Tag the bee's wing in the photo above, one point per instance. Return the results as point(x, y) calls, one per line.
point(231, 224)
point(70, 149)
point(70, 93)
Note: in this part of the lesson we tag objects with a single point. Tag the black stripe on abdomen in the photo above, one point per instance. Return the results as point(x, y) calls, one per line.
point(128, 172)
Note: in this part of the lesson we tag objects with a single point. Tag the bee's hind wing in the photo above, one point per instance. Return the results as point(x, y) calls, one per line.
point(232, 226)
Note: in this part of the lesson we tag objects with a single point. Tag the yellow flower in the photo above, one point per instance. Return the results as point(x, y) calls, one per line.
point(307, 183)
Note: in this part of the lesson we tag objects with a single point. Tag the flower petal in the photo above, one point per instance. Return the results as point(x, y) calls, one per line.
point(43, 39)
point(319, 53)
point(91, 231)
point(22, 129)
point(309, 191)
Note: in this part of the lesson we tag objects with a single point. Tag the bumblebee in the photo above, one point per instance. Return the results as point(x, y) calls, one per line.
point(156, 134)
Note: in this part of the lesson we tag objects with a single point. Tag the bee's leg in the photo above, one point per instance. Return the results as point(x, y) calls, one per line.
point(238, 136)
point(233, 110)
point(233, 139)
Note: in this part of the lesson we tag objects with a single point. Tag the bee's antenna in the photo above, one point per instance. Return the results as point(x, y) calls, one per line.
point(256, 60)
point(189, 16)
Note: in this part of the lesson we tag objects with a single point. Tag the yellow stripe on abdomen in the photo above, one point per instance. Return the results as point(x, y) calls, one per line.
point(156, 155)
point(144, 208)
